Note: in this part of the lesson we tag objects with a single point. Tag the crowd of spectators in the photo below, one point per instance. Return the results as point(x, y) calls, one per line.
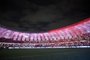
point(44, 45)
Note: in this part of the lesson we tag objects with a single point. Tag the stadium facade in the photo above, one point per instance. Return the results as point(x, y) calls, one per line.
point(73, 36)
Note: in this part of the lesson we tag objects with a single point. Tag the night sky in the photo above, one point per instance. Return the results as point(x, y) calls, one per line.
point(42, 15)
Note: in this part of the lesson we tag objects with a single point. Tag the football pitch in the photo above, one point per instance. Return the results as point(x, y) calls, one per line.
point(45, 54)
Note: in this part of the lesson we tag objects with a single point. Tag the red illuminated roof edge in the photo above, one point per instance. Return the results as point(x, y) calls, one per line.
point(81, 22)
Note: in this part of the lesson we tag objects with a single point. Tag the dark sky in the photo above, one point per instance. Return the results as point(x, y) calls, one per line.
point(42, 15)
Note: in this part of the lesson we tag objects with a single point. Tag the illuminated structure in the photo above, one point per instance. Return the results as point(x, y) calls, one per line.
point(76, 35)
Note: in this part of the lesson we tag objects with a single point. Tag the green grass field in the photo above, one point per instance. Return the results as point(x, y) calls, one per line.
point(45, 54)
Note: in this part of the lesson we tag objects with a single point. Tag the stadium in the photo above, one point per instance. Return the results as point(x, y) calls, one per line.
point(44, 30)
point(42, 48)
point(74, 36)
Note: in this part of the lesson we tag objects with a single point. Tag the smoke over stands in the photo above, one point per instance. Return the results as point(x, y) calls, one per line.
point(41, 15)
